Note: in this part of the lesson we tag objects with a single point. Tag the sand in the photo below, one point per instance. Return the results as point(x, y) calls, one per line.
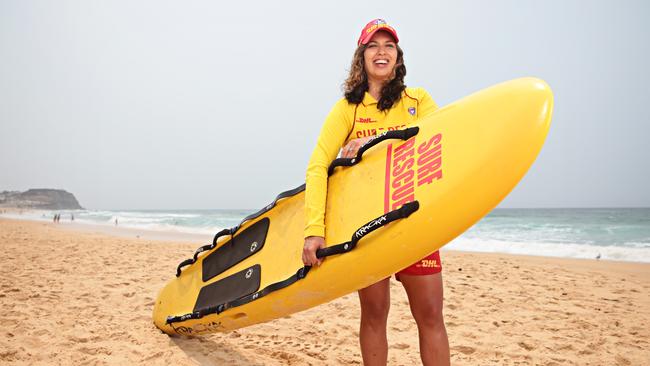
point(78, 297)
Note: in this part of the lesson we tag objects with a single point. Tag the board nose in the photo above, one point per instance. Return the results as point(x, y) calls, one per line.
point(518, 114)
point(540, 97)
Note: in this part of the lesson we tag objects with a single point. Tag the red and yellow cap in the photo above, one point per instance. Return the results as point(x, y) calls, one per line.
point(372, 27)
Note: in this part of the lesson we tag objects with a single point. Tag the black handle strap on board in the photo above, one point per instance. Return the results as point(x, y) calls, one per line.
point(204, 248)
point(233, 230)
point(267, 208)
point(400, 213)
point(404, 134)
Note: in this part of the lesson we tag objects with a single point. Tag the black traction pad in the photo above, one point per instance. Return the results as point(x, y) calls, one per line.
point(230, 288)
point(240, 247)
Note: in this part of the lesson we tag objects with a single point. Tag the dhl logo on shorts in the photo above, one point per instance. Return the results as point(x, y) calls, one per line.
point(408, 165)
point(428, 263)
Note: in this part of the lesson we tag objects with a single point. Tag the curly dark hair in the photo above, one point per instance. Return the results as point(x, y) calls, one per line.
point(357, 82)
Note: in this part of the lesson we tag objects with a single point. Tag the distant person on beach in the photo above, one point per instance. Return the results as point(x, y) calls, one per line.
point(116, 221)
point(375, 91)
point(71, 217)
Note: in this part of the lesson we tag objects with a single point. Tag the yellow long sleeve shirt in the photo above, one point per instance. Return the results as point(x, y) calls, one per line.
point(347, 122)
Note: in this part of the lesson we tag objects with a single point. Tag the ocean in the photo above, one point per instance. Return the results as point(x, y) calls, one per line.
point(621, 234)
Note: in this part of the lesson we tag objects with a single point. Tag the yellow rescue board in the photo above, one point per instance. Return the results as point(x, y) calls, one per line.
point(464, 160)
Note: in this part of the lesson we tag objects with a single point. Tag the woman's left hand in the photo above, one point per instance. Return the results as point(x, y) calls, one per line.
point(351, 148)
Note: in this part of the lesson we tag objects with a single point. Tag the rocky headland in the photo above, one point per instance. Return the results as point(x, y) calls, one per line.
point(42, 199)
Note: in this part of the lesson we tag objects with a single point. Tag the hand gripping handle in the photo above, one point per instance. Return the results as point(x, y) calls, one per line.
point(388, 135)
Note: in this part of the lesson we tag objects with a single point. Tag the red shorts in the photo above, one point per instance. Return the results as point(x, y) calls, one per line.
point(425, 266)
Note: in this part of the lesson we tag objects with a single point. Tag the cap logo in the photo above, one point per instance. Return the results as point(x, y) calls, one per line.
point(373, 27)
point(376, 26)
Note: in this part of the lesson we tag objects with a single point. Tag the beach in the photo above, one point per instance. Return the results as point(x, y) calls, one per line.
point(70, 296)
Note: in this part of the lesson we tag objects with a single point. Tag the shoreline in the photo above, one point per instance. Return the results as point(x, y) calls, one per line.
point(201, 239)
point(122, 231)
point(72, 297)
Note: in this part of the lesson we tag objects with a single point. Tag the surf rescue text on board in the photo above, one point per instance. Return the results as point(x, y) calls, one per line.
point(408, 165)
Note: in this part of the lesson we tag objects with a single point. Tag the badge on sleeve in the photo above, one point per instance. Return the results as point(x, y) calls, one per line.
point(412, 111)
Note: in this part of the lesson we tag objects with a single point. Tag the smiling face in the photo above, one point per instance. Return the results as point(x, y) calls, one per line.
point(380, 57)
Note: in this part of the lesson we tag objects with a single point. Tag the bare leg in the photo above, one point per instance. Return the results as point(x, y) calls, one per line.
point(375, 303)
point(425, 299)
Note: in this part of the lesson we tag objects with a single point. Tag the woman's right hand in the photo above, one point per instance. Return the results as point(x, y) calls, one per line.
point(351, 148)
point(312, 244)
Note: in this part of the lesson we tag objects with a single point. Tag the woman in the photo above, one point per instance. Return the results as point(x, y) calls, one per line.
point(377, 100)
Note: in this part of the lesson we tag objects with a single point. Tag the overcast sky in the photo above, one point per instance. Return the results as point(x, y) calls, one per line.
point(206, 104)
